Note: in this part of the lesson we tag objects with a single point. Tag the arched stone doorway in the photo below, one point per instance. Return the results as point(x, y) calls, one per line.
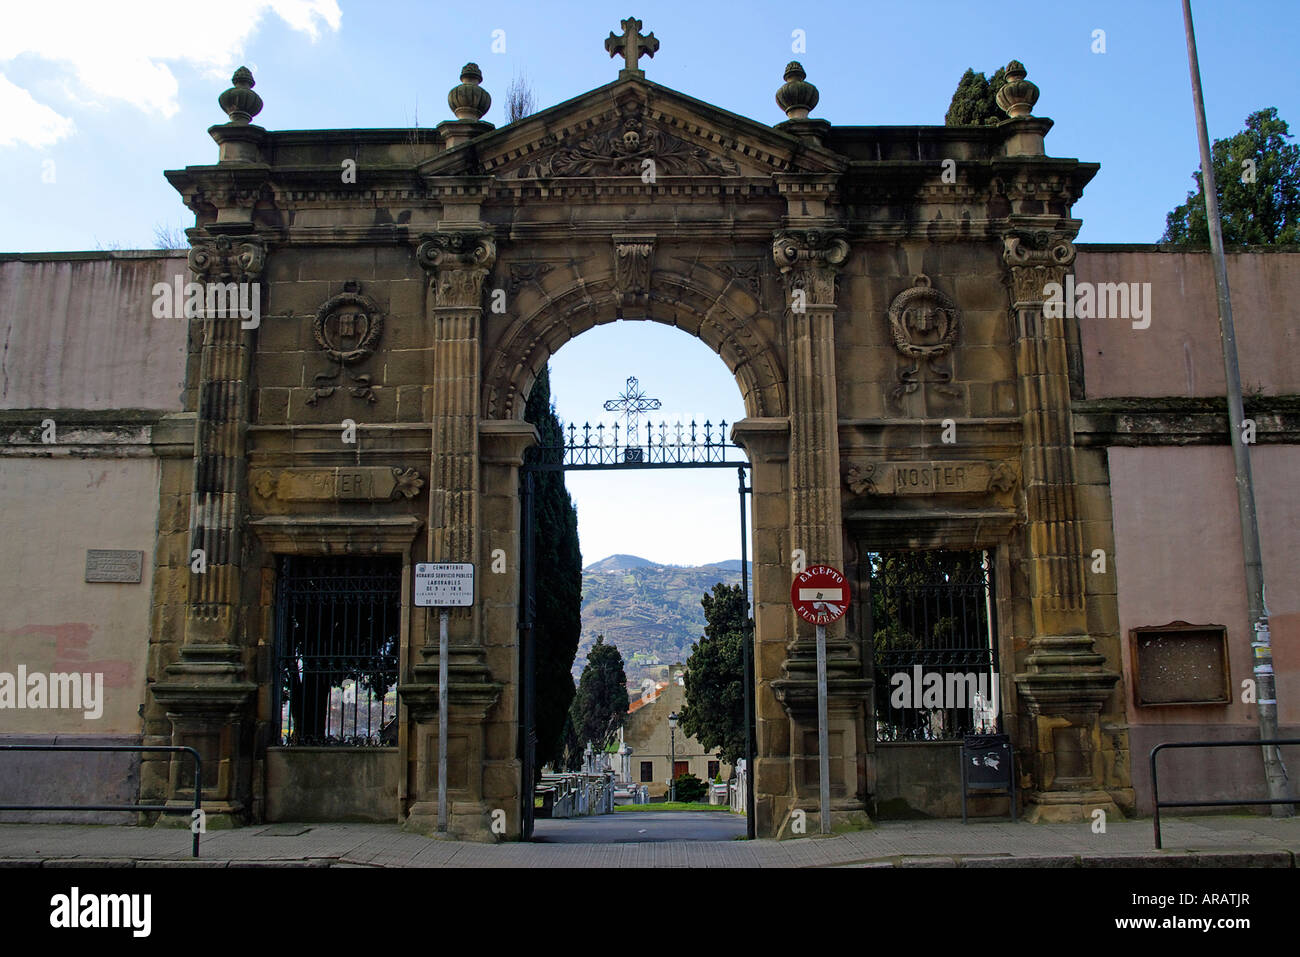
point(714, 310)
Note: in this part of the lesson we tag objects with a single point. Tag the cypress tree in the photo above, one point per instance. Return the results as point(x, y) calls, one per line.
point(558, 580)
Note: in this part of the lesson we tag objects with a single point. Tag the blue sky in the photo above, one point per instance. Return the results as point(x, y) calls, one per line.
point(99, 98)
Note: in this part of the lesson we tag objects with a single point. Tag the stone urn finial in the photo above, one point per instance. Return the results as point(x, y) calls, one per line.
point(239, 102)
point(469, 101)
point(797, 97)
point(1018, 96)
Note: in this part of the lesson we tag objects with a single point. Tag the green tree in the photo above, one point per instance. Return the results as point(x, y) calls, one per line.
point(558, 582)
point(1257, 177)
point(714, 713)
point(688, 788)
point(974, 102)
point(600, 706)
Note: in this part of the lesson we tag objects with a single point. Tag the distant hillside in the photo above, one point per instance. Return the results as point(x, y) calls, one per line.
point(651, 612)
point(619, 563)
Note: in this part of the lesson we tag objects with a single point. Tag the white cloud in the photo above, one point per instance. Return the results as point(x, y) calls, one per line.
point(28, 122)
point(116, 51)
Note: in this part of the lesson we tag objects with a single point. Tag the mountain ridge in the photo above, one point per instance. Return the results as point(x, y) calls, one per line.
point(650, 611)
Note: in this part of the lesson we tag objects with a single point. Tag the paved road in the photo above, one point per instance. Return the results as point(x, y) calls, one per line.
point(1223, 841)
point(639, 827)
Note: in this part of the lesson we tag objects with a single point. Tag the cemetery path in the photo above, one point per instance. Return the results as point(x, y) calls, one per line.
point(637, 827)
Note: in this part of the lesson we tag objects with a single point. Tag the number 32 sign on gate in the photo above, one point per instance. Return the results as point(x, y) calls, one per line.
point(820, 595)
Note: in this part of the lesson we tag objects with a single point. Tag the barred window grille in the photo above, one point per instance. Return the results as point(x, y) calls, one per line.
point(338, 641)
point(933, 611)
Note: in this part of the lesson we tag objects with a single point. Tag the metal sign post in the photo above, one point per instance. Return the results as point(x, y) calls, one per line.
point(820, 596)
point(823, 736)
point(443, 586)
point(443, 616)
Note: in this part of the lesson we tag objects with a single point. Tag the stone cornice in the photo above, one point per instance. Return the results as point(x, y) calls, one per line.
point(1175, 421)
point(336, 535)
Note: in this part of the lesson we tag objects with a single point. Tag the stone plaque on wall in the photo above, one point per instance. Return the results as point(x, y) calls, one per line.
point(1180, 663)
point(114, 565)
point(343, 484)
point(929, 478)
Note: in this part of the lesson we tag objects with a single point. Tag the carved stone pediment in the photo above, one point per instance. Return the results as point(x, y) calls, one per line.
point(622, 149)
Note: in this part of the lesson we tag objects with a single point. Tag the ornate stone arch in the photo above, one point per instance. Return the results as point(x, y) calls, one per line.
point(709, 311)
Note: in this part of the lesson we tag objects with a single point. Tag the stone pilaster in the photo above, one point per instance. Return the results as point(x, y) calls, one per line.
point(1064, 684)
point(205, 692)
point(458, 264)
point(809, 261)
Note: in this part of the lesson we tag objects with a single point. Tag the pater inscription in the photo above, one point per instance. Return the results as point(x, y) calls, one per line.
point(346, 484)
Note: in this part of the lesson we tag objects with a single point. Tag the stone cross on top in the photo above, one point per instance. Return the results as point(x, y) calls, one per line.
point(632, 45)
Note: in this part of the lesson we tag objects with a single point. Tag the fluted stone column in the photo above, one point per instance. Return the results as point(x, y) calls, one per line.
point(458, 263)
point(206, 692)
point(808, 260)
point(1064, 683)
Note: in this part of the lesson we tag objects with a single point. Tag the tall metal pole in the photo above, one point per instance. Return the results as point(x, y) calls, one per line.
point(1265, 690)
point(823, 737)
point(443, 615)
point(747, 638)
point(672, 757)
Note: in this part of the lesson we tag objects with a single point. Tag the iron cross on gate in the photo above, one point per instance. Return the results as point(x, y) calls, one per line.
point(632, 45)
point(632, 402)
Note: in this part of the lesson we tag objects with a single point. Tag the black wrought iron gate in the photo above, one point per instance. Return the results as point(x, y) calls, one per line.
point(933, 634)
point(678, 446)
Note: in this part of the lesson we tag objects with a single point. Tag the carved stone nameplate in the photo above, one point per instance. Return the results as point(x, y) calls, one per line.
point(346, 484)
point(113, 565)
point(930, 478)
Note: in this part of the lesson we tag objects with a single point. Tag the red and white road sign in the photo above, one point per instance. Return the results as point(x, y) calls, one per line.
point(820, 594)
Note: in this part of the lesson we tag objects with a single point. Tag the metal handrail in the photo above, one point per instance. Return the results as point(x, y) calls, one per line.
point(1155, 782)
point(196, 812)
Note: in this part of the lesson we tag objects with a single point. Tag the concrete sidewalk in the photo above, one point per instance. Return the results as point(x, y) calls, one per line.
point(1239, 841)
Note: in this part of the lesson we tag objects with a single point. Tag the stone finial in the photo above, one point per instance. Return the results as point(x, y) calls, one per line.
point(240, 103)
point(631, 45)
point(1018, 96)
point(469, 101)
point(797, 97)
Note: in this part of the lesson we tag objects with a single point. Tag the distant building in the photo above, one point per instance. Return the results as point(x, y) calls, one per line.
point(646, 732)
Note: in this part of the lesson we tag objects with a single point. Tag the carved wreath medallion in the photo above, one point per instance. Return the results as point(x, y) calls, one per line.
point(924, 323)
point(348, 326)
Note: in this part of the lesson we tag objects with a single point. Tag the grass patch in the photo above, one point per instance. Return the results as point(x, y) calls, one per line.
point(672, 806)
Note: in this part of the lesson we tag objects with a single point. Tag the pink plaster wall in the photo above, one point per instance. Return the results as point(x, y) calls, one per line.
point(1178, 556)
point(79, 332)
point(1179, 354)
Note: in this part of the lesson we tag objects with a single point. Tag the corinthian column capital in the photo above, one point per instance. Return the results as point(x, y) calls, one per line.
point(1036, 257)
point(809, 259)
point(458, 262)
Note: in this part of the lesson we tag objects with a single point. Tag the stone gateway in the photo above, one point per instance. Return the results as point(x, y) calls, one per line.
point(412, 284)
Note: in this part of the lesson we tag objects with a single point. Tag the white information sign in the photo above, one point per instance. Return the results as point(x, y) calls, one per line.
point(443, 585)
